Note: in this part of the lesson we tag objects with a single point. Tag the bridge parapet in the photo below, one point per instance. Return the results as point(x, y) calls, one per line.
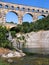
point(23, 8)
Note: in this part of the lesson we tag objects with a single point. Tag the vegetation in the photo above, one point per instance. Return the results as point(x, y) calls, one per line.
point(3, 62)
point(3, 39)
point(13, 34)
point(4, 42)
point(26, 27)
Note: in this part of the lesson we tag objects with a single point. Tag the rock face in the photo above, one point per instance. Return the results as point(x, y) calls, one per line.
point(7, 53)
point(13, 54)
point(37, 42)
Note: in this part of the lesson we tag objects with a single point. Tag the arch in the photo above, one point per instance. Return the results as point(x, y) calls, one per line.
point(27, 17)
point(12, 17)
point(17, 8)
point(13, 29)
point(42, 11)
point(37, 10)
point(41, 16)
point(6, 6)
point(0, 5)
point(22, 9)
point(33, 10)
point(12, 7)
point(28, 9)
point(46, 11)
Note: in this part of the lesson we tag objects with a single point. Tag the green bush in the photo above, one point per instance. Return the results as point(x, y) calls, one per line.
point(4, 42)
point(13, 33)
point(26, 27)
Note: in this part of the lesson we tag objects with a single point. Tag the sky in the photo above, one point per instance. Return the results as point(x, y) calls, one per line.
point(36, 3)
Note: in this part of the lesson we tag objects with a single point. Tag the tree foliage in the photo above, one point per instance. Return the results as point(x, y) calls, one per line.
point(4, 42)
point(26, 27)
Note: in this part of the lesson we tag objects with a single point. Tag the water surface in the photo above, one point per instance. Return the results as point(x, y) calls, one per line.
point(30, 60)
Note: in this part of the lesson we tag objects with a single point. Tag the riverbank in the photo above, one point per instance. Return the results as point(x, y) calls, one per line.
point(7, 53)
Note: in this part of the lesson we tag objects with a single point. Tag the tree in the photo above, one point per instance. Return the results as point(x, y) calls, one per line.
point(4, 42)
point(26, 27)
point(13, 33)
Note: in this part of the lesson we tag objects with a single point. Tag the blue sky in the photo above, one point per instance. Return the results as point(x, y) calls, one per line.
point(36, 3)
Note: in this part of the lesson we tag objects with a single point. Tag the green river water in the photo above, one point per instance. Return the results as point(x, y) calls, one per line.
point(28, 60)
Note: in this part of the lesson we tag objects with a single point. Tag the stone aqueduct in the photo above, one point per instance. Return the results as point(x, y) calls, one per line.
point(20, 11)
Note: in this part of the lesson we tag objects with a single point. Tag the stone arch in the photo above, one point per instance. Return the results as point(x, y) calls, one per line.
point(13, 28)
point(42, 11)
point(6, 6)
point(30, 16)
point(22, 9)
point(41, 16)
point(12, 7)
point(28, 9)
point(18, 8)
point(44, 15)
point(46, 11)
point(37, 10)
point(13, 12)
point(33, 10)
point(1, 5)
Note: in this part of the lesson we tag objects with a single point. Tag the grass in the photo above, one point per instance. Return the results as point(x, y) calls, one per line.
point(2, 62)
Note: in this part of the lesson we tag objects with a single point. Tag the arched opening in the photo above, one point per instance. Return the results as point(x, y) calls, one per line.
point(42, 11)
point(12, 17)
point(13, 29)
point(17, 8)
point(12, 7)
point(6, 6)
point(46, 11)
point(28, 9)
point(41, 17)
point(37, 10)
point(33, 10)
point(0, 5)
point(22, 9)
point(28, 18)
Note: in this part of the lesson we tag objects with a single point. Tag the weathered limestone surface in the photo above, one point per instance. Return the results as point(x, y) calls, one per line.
point(37, 42)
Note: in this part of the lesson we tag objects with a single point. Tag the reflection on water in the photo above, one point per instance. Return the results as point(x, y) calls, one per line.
point(30, 60)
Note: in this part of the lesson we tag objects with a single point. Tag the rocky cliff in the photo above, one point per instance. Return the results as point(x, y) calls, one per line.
point(37, 42)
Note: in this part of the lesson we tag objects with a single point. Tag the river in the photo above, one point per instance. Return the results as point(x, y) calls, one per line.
point(30, 60)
